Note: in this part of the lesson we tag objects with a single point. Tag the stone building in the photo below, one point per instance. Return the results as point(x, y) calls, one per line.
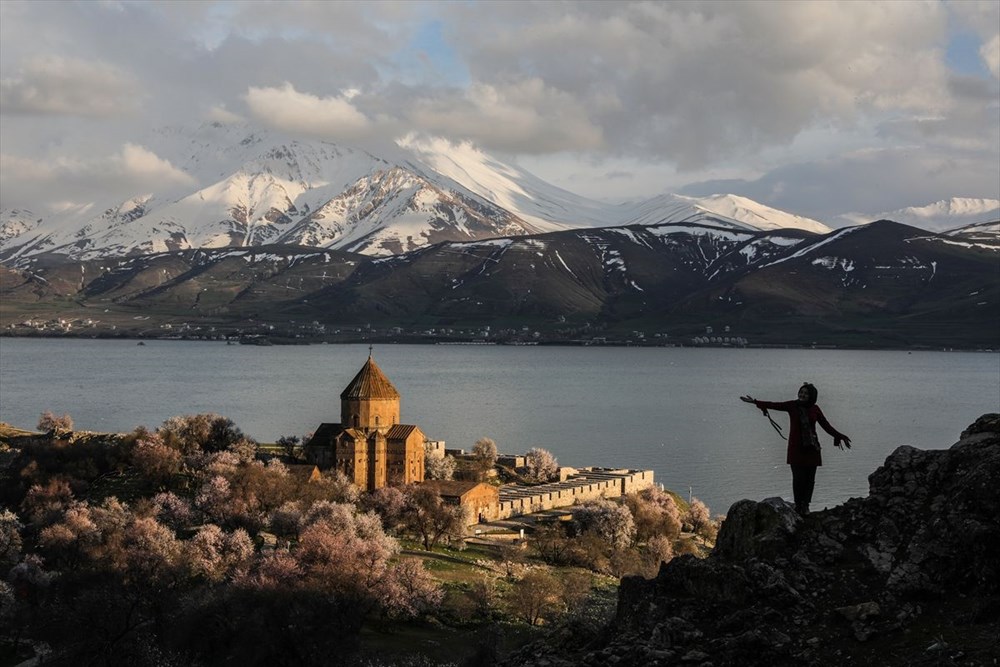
point(369, 445)
point(483, 500)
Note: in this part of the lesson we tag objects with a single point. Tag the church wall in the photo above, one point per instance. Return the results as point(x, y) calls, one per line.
point(396, 463)
point(352, 459)
point(405, 460)
point(369, 413)
point(377, 460)
point(321, 456)
point(414, 457)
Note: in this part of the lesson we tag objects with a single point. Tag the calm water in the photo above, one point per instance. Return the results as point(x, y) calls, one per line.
point(674, 410)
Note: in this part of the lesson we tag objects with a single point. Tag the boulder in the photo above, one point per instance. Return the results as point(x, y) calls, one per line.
point(757, 529)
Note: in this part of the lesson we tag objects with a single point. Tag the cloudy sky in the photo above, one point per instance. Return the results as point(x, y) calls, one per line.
point(813, 107)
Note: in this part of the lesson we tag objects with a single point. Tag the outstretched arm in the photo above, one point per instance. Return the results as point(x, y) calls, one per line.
point(782, 406)
point(839, 439)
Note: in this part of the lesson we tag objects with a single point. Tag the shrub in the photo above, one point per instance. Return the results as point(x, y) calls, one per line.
point(610, 521)
point(540, 465)
point(535, 596)
point(207, 432)
point(438, 467)
point(484, 455)
point(155, 460)
point(48, 421)
point(10, 540)
point(655, 513)
point(658, 550)
point(698, 517)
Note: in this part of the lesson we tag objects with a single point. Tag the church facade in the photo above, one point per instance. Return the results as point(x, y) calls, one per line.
point(369, 445)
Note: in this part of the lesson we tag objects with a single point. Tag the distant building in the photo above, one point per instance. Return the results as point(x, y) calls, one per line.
point(304, 472)
point(511, 460)
point(483, 500)
point(369, 445)
point(435, 448)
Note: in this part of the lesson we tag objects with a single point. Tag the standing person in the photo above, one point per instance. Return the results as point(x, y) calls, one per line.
point(803, 445)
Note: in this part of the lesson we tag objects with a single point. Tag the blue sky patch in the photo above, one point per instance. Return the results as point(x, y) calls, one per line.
point(962, 55)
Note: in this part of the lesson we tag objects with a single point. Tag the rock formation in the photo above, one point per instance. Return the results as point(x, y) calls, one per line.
point(909, 575)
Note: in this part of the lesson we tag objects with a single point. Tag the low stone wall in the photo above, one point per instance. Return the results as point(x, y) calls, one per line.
point(586, 484)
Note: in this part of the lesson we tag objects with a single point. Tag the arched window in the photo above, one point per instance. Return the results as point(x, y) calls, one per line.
point(357, 421)
point(376, 420)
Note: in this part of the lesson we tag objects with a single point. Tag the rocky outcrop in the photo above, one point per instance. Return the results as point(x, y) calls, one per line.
point(909, 575)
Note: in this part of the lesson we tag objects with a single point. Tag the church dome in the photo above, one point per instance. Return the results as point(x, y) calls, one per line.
point(369, 383)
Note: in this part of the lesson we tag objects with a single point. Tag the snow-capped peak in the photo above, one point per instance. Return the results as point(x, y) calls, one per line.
point(730, 211)
point(548, 207)
point(754, 213)
point(255, 186)
point(939, 216)
point(543, 205)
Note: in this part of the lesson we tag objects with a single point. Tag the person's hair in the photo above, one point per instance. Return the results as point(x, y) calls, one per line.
point(811, 391)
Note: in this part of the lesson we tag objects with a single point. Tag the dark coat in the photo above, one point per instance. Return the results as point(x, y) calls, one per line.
point(797, 454)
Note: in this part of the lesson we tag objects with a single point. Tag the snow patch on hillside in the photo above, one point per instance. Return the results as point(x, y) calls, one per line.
point(816, 246)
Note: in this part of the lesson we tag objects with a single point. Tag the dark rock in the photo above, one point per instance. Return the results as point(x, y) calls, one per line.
point(860, 611)
point(757, 529)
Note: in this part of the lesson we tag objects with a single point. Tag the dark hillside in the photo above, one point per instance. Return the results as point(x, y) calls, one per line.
point(883, 284)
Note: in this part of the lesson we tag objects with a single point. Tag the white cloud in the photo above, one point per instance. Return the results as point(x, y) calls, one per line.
point(990, 52)
point(66, 86)
point(982, 18)
point(666, 92)
point(132, 170)
point(287, 109)
point(867, 180)
point(141, 164)
point(220, 114)
point(703, 83)
point(524, 117)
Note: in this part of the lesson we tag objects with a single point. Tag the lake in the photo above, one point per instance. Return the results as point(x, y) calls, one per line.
point(673, 410)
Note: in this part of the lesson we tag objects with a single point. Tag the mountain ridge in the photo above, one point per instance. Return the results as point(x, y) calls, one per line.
point(255, 187)
point(940, 216)
point(877, 285)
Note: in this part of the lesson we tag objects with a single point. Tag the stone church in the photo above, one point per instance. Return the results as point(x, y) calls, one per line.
point(369, 445)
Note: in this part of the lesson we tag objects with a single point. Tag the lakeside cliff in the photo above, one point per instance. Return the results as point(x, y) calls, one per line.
point(909, 575)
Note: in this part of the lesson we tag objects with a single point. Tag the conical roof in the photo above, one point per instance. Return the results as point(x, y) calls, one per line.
point(369, 383)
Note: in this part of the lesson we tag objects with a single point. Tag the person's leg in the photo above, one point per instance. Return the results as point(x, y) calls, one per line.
point(803, 482)
point(797, 485)
point(808, 484)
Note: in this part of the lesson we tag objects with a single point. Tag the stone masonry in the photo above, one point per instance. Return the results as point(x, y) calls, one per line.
point(586, 484)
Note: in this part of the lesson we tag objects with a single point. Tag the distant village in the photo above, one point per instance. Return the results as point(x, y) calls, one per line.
point(295, 333)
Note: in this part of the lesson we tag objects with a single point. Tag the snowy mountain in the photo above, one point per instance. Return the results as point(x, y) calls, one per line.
point(541, 203)
point(258, 187)
point(940, 216)
point(719, 210)
point(16, 222)
point(262, 189)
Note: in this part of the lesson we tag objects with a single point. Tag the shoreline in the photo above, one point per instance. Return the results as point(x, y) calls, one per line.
point(265, 341)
